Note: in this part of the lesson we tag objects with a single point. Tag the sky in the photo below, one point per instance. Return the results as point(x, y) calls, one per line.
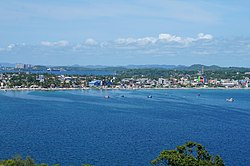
point(122, 32)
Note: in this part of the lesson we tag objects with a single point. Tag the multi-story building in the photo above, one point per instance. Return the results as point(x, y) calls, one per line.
point(23, 66)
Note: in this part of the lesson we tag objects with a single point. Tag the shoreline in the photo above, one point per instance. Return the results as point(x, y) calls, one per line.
point(87, 88)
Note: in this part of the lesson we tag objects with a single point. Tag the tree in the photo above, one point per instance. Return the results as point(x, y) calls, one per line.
point(18, 161)
point(191, 153)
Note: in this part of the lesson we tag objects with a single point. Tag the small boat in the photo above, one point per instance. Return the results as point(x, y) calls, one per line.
point(199, 94)
point(150, 96)
point(106, 97)
point(122, 96)
point(230, 99)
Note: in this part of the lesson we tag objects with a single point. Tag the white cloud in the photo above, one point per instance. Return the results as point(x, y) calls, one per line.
point(87, 44)
point(146, 40)
point(10, 47)
point(76, 47)
point(176, 39)
point(125, 41)
point(186, 40)
point(139, 41)
point(163, 45)
point(170, 38)
point(163, 37)
point(203, 36)
point(90, 42)
point(163, 40)
point(61, 43)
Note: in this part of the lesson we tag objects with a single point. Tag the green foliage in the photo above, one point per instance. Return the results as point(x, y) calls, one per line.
point(28, 161)
point(211, 73)
point(18, 161)
point(191, 153)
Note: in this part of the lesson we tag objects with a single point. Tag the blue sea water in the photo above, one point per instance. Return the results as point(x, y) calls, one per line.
point(80, 72)
point(74, 127)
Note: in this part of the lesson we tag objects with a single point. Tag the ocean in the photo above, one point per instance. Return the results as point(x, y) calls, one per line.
point(81, 126)
point(80, 72)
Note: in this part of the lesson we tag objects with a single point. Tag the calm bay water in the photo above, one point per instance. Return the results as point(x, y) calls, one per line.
point(80, 72)
point(72, 127)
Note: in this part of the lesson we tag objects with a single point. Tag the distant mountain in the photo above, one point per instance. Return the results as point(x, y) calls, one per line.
point(96, 66)
point(7, 65)
point(154, 66)
point(198, 67)
point(88, 66)
point(126, 66)
point(76, 67)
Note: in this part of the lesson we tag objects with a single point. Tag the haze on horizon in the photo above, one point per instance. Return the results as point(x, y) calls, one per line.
point(115, 33)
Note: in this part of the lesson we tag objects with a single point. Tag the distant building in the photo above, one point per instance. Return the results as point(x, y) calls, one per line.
point(27, 66)
point(19, 66)
point(202, 70)
point(228, 84)
point(23, 66)
point(202, 79)
point(95, 83)
point(40, 78)
point(162, 81)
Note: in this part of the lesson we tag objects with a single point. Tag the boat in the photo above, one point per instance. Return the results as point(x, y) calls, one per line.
point(230, 99)
point(150, 96)
point(53, 69)
point(122, 95)
point(106, 97)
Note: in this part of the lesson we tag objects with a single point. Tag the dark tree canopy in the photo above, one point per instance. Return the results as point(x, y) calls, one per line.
point(189, 154)
point(28, 161)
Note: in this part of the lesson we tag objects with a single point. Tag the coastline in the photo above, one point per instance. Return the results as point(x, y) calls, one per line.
point(88, 88)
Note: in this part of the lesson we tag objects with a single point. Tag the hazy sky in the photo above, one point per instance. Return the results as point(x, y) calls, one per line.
point(113, 32)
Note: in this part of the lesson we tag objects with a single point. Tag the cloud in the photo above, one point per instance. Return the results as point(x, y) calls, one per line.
point(176, 39)
point(125, 41)
point(139, 41)
point(77, 46)
point(10, 47)
point(169, 38)
point(61, 43)
point(88, 44)
point(146, 40)
point(165, 40)
point(203, 36)
point(163, 47)
point(14, 46)
point(91, 42)
point(162, 38)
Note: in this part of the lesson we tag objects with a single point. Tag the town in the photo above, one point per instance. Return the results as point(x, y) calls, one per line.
point(126, 79)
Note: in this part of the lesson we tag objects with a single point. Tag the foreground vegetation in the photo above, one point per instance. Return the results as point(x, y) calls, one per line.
point(28, 161)
point(189, 154)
